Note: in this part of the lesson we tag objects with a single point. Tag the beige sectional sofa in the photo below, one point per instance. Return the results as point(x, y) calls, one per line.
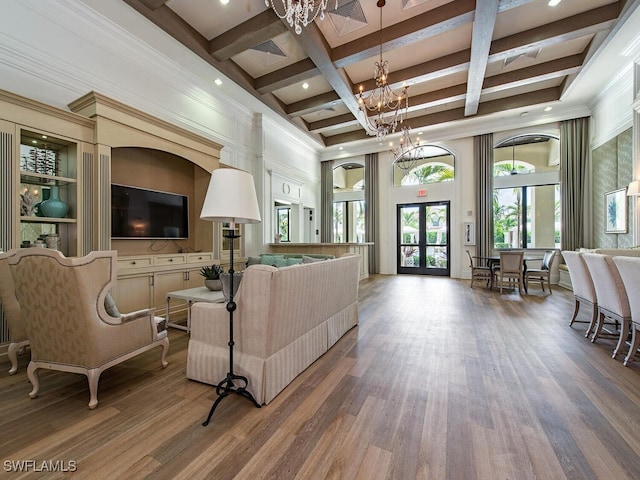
point(285, 319)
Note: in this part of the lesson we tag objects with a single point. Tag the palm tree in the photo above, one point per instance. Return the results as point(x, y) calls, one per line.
point(432, 173)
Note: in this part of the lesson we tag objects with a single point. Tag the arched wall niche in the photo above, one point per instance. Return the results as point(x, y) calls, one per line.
point(137, 149)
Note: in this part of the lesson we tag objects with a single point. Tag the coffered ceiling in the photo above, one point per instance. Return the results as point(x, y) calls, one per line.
point(460, 58)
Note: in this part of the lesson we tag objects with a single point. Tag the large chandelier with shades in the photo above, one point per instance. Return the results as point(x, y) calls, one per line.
point(382, 108)
point(299, 13)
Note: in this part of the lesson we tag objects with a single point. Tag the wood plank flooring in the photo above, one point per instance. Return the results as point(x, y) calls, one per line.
point(439, 381)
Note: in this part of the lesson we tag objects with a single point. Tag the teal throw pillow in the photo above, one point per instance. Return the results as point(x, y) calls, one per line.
point(294, 261)
point(306, 259)
point(281, 262)
point(270, 259)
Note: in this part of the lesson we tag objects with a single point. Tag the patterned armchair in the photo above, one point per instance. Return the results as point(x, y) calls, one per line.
point(69, 329)
point(12, 314)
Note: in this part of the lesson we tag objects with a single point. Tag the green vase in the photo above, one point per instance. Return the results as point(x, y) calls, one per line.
point(54, 207)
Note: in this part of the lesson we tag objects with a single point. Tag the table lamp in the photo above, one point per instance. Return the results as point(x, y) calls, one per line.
point(231, 197)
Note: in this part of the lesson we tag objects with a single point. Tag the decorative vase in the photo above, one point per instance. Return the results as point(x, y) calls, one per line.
point(226, 283)
point(46, 194)
point(213, 284)
point(54, 207)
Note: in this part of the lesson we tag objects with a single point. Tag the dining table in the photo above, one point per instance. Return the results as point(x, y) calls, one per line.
point(493, 260)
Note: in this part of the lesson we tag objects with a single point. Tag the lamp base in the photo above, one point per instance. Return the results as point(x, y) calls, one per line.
point(226, 387)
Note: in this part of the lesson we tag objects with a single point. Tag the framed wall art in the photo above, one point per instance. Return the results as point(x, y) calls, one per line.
point(615, 211)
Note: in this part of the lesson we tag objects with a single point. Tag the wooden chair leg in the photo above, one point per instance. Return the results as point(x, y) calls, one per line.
point(624, 333)
point(635, 343)
point(599, 326)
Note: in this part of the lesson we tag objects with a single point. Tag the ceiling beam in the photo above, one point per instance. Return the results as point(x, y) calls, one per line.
point(154, 4)
point(289, 75)
point(536, 73)
point(577, 26)
point(483, 25)
point(428, 24)
point(255, 31)
point(174, 25)
point(313, 104)
point(457, 114)
point(316, 47)
point(544, 36)
point(333, 123)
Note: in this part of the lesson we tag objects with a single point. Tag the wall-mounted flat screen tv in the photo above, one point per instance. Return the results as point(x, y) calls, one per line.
point(142, 213)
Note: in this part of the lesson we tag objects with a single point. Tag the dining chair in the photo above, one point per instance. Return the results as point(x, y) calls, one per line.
point(629, 269)
point(510, 272)
point(612, 297)
point(542, 274)
point(479, 272)
point(583, 290)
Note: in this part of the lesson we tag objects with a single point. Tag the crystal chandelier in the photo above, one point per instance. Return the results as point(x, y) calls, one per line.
point(383, 103)
point(406, 155)
point(299, 13)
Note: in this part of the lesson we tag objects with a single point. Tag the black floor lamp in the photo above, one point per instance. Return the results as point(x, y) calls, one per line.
point(231, 198)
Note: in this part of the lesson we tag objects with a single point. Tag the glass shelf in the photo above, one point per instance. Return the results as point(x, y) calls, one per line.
point(31, 219)
point(42, 179)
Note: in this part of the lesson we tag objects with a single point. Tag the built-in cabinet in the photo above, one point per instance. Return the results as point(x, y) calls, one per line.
point(144, 280)
point(48, 152)
point(48, 191)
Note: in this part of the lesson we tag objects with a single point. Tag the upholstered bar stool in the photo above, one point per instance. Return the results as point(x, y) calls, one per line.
point(583, 290)
point(611, 294)
point(629, 269)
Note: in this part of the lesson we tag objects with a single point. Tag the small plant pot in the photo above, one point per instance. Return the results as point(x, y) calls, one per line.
point(214, 284)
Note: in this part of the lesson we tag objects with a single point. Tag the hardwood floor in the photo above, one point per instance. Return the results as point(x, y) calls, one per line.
point(439, 381)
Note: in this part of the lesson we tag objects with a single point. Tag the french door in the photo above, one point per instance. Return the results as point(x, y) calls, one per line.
point(423, 238)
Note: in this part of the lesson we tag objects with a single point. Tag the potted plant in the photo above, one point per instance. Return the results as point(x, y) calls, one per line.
point(212, 277)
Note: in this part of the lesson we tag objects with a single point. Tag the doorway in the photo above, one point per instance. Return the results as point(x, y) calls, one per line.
point(423, 238)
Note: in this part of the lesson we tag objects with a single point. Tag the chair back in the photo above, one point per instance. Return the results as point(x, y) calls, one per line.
point(581, 280)
point(10, 306)
point(511, 262)
point(547, 259)
point(470, 259)
point(59, 297)
point(610, 290)
point(629, 269)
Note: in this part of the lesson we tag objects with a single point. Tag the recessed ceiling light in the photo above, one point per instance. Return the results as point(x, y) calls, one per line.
point(224, 2)
point(553, 3)
point(217, 81)
point(340, 148)
point(305, 85)
point(44, 136)
point(548, 109)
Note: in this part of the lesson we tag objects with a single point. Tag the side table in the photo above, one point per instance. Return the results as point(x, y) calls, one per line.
point(191, 295)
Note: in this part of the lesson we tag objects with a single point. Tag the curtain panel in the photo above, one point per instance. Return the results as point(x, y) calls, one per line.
point(574, 164)
point(326, 200)
point(483, 173)
point(371, 208)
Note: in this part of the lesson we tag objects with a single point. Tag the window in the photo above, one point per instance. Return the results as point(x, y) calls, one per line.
point(434, 165)
point(348, 221)
point(348, 203)
point(283, 214)
point(526, 196)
